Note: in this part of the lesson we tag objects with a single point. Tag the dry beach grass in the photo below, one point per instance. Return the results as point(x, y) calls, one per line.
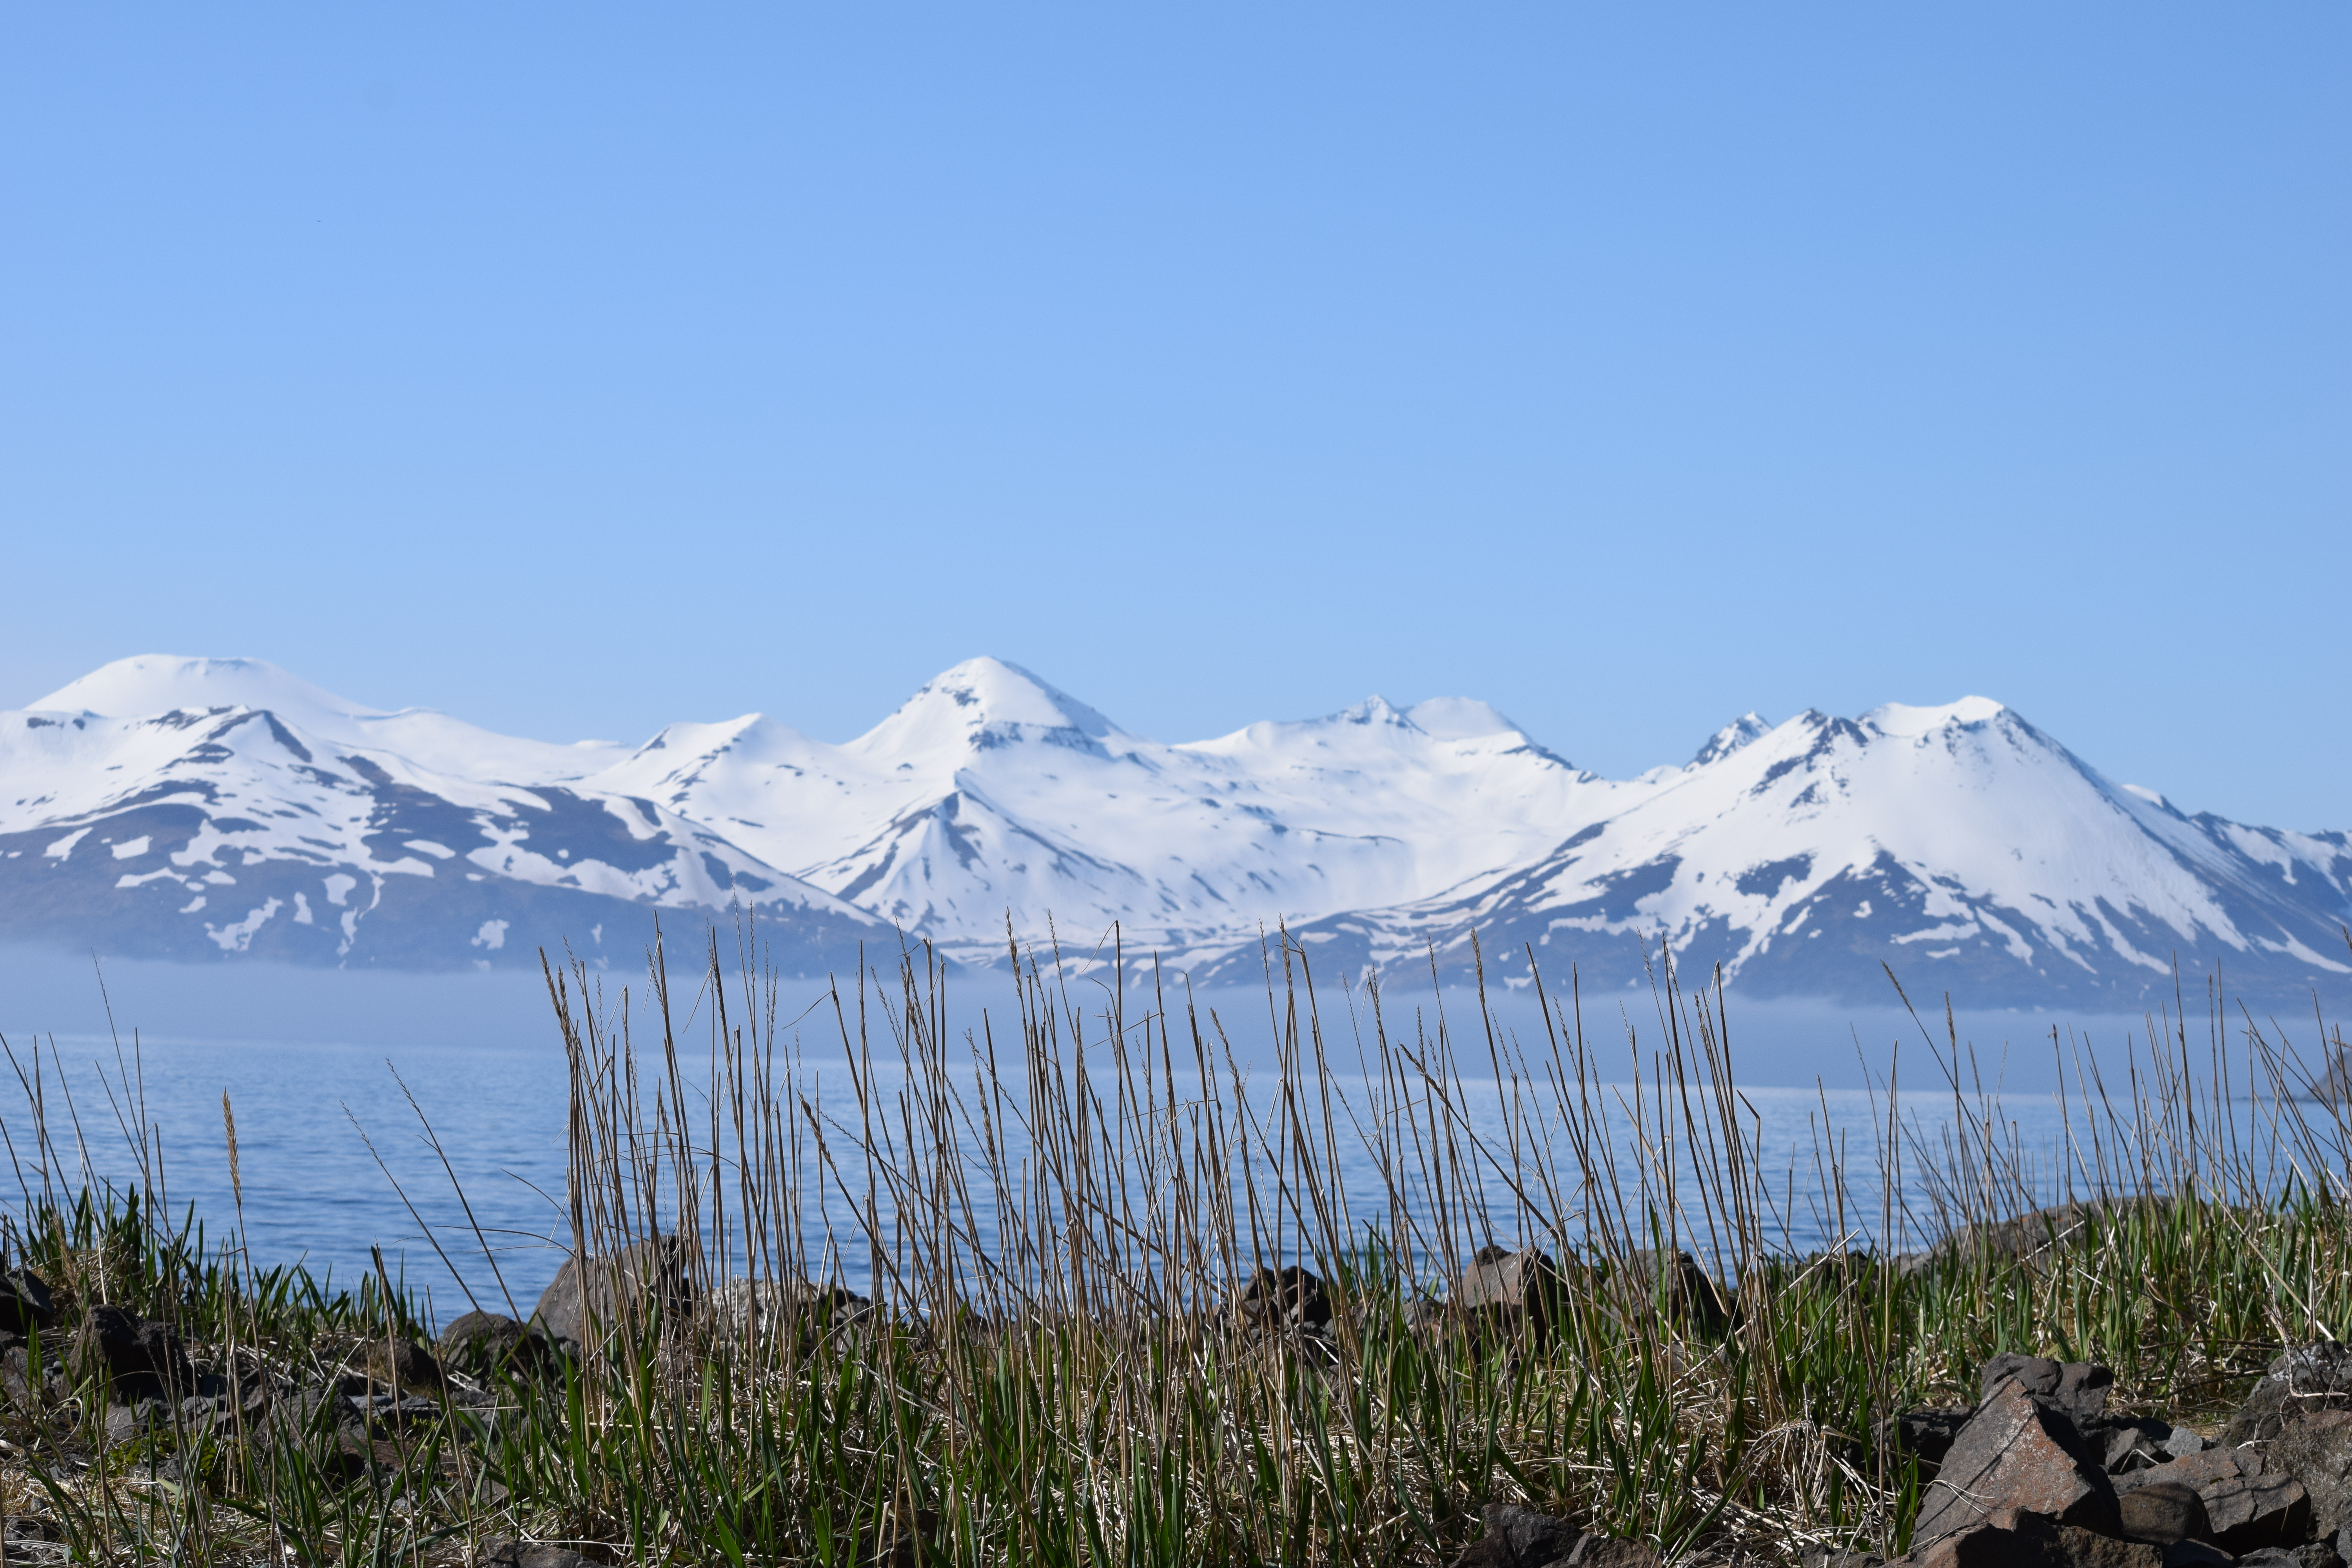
point(1064, 1361)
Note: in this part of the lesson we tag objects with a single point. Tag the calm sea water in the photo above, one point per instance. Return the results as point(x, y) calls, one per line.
point(333, 1159)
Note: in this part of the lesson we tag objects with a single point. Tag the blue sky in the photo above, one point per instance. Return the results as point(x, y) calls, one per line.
point(580, 368)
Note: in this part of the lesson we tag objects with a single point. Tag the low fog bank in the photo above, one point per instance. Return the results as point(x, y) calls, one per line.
point(1775, 1042)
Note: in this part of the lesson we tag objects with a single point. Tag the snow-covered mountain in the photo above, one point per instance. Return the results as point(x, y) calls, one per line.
point(1959, 845)
point(207, 808)
point(990, 792)
point(217, 827)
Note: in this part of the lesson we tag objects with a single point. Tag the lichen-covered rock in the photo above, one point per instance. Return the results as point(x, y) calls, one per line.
point(2316, 1450)
point(1612, 1551)
point(2016, 1453)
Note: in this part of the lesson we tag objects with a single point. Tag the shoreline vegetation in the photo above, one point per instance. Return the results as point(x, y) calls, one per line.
point(1127, 1309)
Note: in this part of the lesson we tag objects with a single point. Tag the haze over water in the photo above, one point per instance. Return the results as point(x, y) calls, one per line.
point(314, 1192)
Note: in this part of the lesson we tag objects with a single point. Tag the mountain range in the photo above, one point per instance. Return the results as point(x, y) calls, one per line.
point(212, 809)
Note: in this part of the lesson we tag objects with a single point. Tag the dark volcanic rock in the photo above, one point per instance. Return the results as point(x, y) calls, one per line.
point(2299, 1382)
point(24, 1303)
point(2311, 1555)
point(2076, 1387)
point(2163, 1513)
point(524, 1554)
point(2015, 1538)
point(2016, 1453)
point(1521, 1538)
point(139, 1358)
point(479, 1343)
point(398, 1364)
point(2133, 1443)
point(2316, 1450)
point(1291, 1300)
point(1925, 1434)
point(642, 1277)
point(1692, 1299)
point(2245, 1507)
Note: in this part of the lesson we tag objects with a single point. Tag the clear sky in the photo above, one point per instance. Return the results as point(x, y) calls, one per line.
point(577, 368)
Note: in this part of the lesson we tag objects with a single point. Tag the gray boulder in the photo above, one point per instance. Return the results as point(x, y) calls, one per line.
point(2028, 1236)
point(2244, 1507)
point(2079, 1388)
point(624, 1288)
point(1505, 1290)
point(1520, 1537)
point(2299, 1382)
point(2316, 1450)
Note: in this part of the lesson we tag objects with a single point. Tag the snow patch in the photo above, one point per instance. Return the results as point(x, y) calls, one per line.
point(131, 849)
point(239, 938)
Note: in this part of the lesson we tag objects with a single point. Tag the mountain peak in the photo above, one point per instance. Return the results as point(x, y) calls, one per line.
point(981, 694)
point(151, 683)
point(1900, 718)
point(1748, 726)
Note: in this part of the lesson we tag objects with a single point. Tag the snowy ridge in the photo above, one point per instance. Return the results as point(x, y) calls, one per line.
point(201, 808)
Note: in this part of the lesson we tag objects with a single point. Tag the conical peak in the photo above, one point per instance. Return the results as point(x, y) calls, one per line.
point(985, 693)
point(158, 683)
